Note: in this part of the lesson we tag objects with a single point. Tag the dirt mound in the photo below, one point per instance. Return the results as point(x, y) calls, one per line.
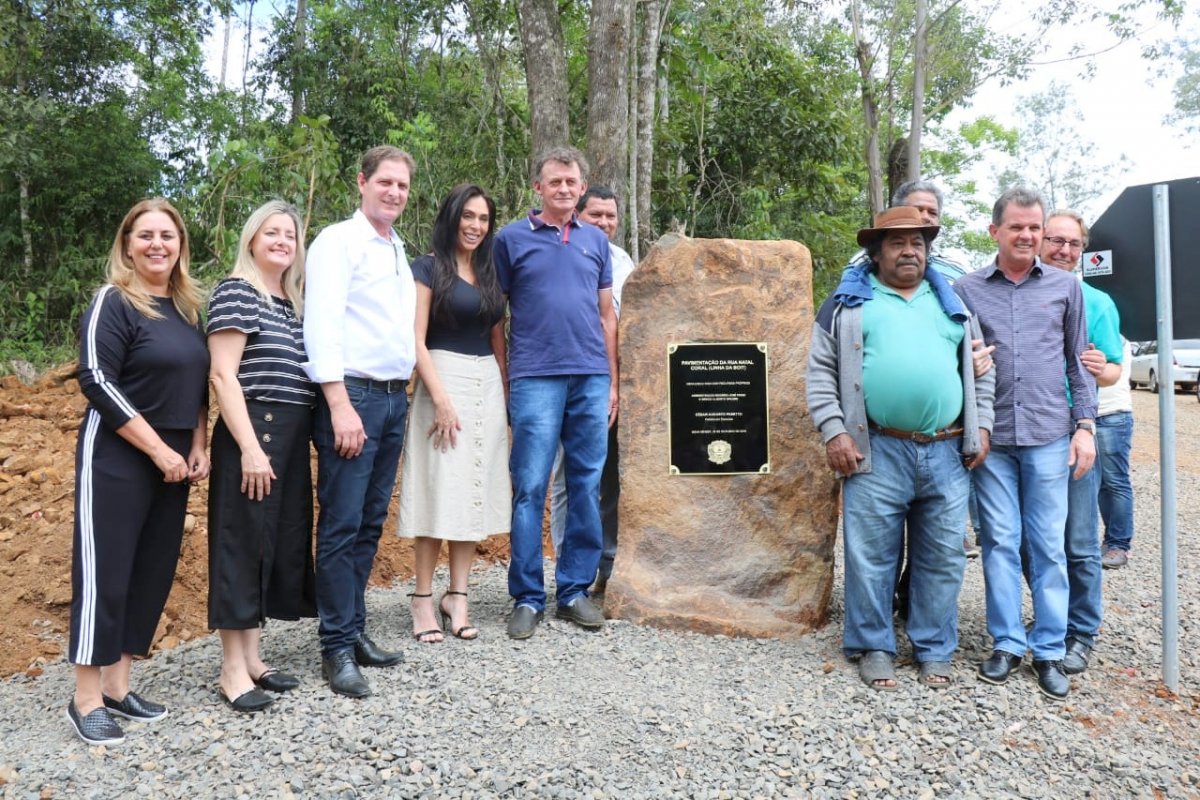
point(38, 427)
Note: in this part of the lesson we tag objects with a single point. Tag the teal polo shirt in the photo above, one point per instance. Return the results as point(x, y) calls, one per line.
point(911, 380)
point(1103, 323)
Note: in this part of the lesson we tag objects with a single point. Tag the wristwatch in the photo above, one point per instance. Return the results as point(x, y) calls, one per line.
point(1086, 425)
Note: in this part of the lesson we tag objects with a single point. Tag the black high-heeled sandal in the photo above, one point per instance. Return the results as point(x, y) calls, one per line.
point(420, 636)
point(447, 620)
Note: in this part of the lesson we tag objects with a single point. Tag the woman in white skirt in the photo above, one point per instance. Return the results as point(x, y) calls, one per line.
point(455, 483)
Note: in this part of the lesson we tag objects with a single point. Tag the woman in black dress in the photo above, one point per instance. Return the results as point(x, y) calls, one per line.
point(143, 368)
point(260, 502)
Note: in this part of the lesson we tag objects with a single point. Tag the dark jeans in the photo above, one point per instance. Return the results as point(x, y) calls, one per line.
point(353, 494)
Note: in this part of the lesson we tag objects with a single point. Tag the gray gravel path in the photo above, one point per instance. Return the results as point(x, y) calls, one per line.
point(637, 712)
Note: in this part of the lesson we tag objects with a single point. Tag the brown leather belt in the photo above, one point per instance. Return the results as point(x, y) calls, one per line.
point(917, 436)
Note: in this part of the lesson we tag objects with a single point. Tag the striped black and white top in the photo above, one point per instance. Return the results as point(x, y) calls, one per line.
point(271, 363)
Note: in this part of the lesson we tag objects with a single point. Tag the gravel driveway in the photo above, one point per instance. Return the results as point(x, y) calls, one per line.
point(637, 712)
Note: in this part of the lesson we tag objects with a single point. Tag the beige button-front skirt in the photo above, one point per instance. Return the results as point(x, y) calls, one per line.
point(463, 494)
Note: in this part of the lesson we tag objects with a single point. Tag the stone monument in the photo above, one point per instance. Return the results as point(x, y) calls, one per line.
point(736, 554)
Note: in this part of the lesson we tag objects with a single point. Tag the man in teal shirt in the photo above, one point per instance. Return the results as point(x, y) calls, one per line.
point(891, 387)
point(1062, 244)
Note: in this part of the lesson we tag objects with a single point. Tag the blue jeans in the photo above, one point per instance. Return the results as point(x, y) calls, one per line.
point(610, 493)
point(353, 494)
point(1023, 494)
point(543, 411)
point(1114, 438)
point(924, 486)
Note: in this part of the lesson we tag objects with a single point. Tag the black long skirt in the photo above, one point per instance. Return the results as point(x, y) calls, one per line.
point(260, 558)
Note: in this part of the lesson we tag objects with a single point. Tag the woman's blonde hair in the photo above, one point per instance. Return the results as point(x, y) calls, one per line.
point(245, 268)
point(184, 292)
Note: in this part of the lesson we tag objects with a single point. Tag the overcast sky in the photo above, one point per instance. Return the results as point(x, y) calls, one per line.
point(1125, 103)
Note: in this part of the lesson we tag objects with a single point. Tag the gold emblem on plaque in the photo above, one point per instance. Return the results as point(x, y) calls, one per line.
point(719, 451)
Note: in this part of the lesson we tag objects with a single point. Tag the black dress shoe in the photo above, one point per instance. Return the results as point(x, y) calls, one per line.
point(369, 654)
point(1052, 681)
point(1076, 659)
point(135, 707)
point(98, 727)
point(275, 681)
point(997, 667)
point(343, 675)
point(248, 701)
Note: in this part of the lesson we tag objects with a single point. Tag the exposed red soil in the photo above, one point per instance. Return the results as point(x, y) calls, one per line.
point(38, 426)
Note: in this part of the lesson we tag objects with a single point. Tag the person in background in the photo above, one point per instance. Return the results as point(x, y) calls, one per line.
point(454, 483)
point(598, 206)
point(1065, 238)
point(260, 499)
point(1114, 440)
point(143, 368)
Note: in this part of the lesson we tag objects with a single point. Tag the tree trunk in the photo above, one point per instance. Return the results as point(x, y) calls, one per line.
point(298, 48)
point(870, 104)
point(897, 166)
point(26, 225)
point(654, 14)
point(631, 131)
point(608, 95)
point(489, 58)
point(228, 17)
point(545, 72)
point(918, 104)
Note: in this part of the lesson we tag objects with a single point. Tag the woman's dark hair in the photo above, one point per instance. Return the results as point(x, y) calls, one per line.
point(445, 247)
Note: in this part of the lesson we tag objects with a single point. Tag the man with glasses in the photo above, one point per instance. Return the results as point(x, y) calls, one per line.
point(1065, 239)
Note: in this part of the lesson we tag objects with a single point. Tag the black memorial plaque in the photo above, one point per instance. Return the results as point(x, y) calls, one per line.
point(717, 404)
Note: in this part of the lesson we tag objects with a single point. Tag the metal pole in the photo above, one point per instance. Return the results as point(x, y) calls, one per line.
point(1166, 437)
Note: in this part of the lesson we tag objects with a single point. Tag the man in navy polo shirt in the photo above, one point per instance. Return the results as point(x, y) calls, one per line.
point(562, 350)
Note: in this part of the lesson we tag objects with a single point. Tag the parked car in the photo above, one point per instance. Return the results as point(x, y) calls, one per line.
point(1185, 358)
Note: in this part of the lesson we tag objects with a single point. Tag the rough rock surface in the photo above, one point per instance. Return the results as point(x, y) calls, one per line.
point(739, 555)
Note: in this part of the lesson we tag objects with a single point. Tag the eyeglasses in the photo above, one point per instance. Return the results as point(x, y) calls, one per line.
point(1058, 241)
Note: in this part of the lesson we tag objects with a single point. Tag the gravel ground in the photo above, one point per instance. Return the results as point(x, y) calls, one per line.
point(637, 712)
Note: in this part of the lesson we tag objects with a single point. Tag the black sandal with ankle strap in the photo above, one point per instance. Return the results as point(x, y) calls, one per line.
point(447, 620)
point(420, 637)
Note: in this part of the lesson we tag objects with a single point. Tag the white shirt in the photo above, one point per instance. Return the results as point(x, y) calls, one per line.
point(622, 267)
point(359, 305)
point(1117, 397)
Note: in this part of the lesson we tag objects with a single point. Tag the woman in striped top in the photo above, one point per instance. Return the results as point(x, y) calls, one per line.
point(142, 367)
point(260, 503)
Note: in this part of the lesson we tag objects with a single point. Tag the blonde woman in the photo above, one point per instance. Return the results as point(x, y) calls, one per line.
point(260, 502)
point(143, 368)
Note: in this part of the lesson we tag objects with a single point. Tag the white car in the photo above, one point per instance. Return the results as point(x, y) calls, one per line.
point(1143, 370)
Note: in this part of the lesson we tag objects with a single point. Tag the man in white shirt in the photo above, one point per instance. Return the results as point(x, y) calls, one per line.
point(598, 206)
point(360, 306)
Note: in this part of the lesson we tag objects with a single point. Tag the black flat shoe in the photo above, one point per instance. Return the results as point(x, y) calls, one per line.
point(275, 681)
point(98, 727)
point(1051, 679)
point(135, 707)
point(998, 666)
point(248, 701)
point(369, 654)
